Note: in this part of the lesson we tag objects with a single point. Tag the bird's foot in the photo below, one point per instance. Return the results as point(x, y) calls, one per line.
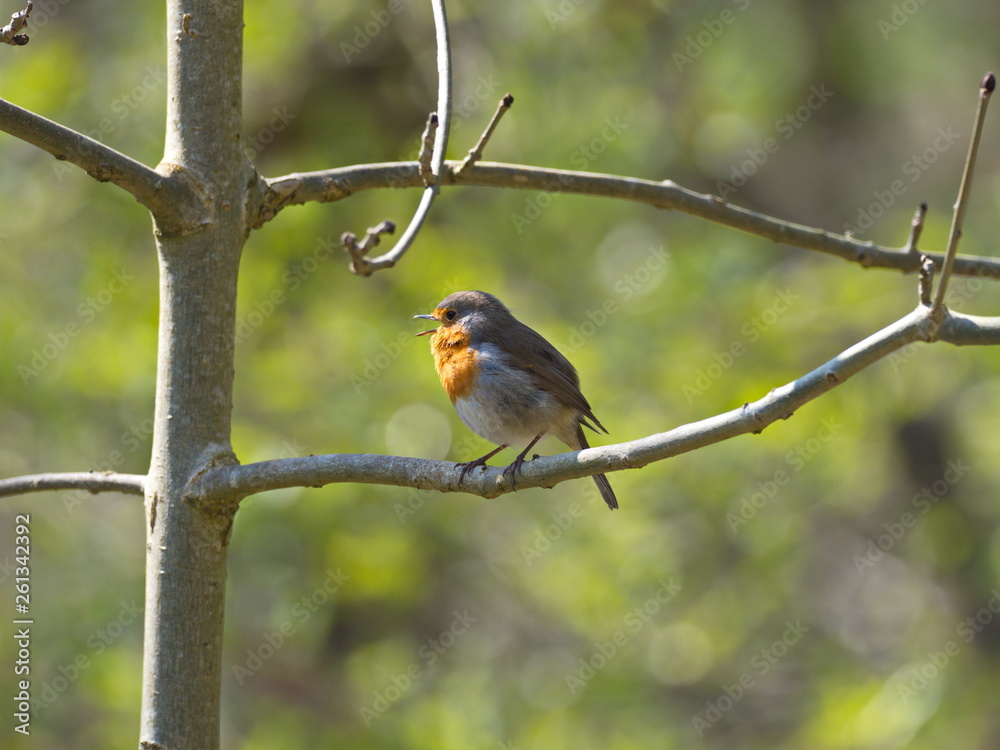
point(468, 466)
point(512, 470)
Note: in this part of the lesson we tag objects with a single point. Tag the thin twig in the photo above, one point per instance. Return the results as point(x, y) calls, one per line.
point(358, 250)
point(985, 89)
point(427, 150)
point(9, 35)
point(476, 152)
point(169, 199)
point(331, 185)
point(926, 280)
point(916, 228)
point(237, 482)
point(433, 187)
point(91, 481)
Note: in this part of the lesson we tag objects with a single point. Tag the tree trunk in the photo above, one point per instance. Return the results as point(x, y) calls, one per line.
point(187, 542)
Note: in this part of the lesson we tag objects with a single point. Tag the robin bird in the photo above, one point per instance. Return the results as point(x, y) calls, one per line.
point(508, 384)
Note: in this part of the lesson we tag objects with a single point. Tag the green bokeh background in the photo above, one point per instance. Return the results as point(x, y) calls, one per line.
point(470, 618)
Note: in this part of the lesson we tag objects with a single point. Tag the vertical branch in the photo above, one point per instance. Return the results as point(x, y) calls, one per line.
point(361, 265)
point(187, 542)
point(958, 218)
point(444, 67)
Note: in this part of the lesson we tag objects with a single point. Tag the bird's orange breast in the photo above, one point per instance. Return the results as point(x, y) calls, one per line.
point(454, 360)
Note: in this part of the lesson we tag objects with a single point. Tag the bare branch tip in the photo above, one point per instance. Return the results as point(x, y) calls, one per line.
point(360, 265)
point(926, 280)
point(427, 149)
point(916, 227)
point(18, 20)
point(964, 188)
point(476, 152)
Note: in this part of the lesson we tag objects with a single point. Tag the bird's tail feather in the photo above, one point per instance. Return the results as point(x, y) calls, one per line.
point(599, 479)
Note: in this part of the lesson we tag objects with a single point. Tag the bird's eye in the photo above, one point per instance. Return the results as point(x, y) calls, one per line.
point(450, 315)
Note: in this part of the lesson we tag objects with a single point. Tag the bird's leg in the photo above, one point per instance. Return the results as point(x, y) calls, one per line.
point(516, 466)
point(466, 466)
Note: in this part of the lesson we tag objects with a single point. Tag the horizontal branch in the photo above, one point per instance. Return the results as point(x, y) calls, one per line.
point(173, 203)
point(91, 481)
point(969, 330)
point(236, 482)
point(336, 184)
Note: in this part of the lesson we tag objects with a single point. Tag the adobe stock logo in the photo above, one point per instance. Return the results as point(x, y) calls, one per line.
point(918, 676)
point(364, 34)
point(301, 612)
point(795, 461)
point(400, 683)
point(786, 127)
point(901, 14)
point(760, 664)
point(86, 313)
point(696, 44)
point(750, 333)
point(581, 158)
point(922, 502)
point(915, 167)
point(633, 622)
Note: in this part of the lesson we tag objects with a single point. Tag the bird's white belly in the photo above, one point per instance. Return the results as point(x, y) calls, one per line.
point(483, 417)
point(507, 407)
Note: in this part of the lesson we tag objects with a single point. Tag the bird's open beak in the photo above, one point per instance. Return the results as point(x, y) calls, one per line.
point(428, 317)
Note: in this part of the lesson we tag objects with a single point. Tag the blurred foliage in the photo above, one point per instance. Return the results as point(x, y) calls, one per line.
point(807, 587)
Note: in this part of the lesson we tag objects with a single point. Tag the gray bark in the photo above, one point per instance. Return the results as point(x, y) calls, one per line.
point(187, 542)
